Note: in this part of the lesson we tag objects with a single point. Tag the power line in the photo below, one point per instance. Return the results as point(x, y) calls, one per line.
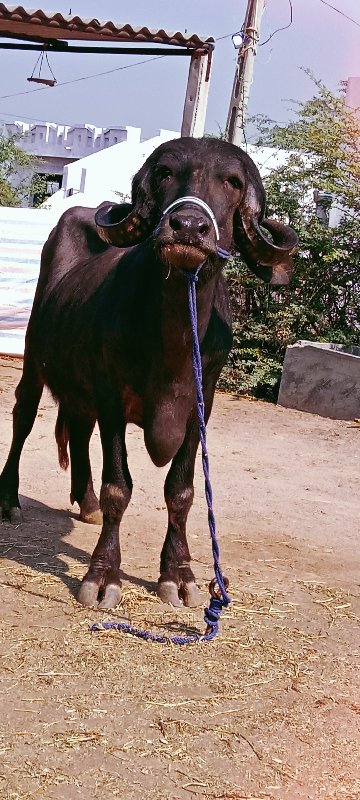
point(84, 78)
point(23, 117)
point(96, 74)
point(284, 28)
point(226, 36)
point(340, 12)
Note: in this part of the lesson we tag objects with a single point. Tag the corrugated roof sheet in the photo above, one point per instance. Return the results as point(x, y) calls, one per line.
point(16, 21)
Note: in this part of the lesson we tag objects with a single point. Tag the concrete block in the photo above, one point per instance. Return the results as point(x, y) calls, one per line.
point(322, 379)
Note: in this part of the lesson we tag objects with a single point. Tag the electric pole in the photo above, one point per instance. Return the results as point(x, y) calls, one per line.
point(247, 42)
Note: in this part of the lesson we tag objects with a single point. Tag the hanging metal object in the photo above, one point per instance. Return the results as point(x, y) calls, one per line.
point(38, 78)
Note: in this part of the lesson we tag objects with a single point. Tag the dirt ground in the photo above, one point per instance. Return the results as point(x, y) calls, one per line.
point(271, 708)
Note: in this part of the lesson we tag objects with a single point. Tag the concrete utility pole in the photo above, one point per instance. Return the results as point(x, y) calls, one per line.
point(249, 37)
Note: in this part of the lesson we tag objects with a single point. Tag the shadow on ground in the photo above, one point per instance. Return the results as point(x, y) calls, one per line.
point(40, 543)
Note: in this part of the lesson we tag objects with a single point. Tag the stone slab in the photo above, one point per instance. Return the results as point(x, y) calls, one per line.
point(322, 379)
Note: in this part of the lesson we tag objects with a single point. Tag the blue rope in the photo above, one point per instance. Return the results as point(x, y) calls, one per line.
point(197, 367)
point(153, 637)
point(218, 586)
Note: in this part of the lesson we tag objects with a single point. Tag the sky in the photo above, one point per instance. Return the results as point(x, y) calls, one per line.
point(151, 95)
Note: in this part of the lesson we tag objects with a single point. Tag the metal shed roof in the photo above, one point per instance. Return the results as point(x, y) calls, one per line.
point(37, 25)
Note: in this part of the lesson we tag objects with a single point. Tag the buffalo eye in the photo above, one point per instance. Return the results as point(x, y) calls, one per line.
point(234, 181)
point(163, 174)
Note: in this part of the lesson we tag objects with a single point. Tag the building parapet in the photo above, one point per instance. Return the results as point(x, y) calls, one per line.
point(71, 142)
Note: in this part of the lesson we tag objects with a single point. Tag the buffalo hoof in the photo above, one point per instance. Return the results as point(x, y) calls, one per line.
point(190, 594)
point(111, 597)
point(88, 594)
point(91, 595)
point(186, 595)
point(169, 593)
point(12, 514)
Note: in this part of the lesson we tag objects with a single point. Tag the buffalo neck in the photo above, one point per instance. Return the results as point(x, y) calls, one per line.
point(176, 330)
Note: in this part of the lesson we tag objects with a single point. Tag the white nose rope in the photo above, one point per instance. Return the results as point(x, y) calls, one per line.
point(195, 201)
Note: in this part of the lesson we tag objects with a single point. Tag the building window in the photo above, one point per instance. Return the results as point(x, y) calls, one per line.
point(52, 187)
point(41, 134)
point(115, 139)
point(48, 184)
point(79, 137)
point(106, 140)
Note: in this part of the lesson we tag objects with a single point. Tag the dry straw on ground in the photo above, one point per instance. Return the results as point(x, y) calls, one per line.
point(129, 714)
point(269, 710)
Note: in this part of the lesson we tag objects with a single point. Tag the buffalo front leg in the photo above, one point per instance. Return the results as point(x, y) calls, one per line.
point(176, 584)
point(101, 586)
point(28, 394)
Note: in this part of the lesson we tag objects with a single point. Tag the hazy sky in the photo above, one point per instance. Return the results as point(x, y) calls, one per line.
point(151, 95)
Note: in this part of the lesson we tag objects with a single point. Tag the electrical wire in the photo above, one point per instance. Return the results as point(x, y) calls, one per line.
point(23, 117)
point(226, 36)
point(325, 3)
point(97, 74)
point(84, 78)
point(284, 28)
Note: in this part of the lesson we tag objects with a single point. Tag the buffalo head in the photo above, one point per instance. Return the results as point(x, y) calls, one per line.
point(227, 180)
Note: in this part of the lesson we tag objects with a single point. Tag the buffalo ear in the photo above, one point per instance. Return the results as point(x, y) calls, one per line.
point(127, 224)
point(270, 259)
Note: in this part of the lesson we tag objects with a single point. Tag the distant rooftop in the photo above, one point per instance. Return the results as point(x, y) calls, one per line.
point(47, 139)
point(18, 22)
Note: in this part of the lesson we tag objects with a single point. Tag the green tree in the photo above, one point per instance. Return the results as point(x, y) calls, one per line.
point(323, 300)
point(17, 173)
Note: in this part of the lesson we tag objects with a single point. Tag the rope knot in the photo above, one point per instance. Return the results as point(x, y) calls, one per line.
point(219, 585)
point(213, 612)
point(193, 277)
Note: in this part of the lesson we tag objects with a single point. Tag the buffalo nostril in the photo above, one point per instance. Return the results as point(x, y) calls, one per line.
point(204, 228)
point(176, 223)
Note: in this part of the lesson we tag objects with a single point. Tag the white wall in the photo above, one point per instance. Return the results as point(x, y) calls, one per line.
point(23, 232)
point(101, 176)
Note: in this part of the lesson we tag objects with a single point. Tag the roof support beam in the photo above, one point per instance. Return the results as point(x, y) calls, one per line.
point(196, 97)
point(59, 48)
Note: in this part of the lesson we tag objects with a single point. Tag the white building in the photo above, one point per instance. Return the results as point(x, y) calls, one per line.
point(107, 174)
point(56, 146)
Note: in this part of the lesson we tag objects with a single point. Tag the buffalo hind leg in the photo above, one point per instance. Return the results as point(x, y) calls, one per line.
point(176, 584)
point(101, 586)
point(28, 394)
point(82, 489)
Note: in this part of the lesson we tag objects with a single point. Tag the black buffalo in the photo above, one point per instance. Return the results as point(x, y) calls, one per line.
point(110, 335)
